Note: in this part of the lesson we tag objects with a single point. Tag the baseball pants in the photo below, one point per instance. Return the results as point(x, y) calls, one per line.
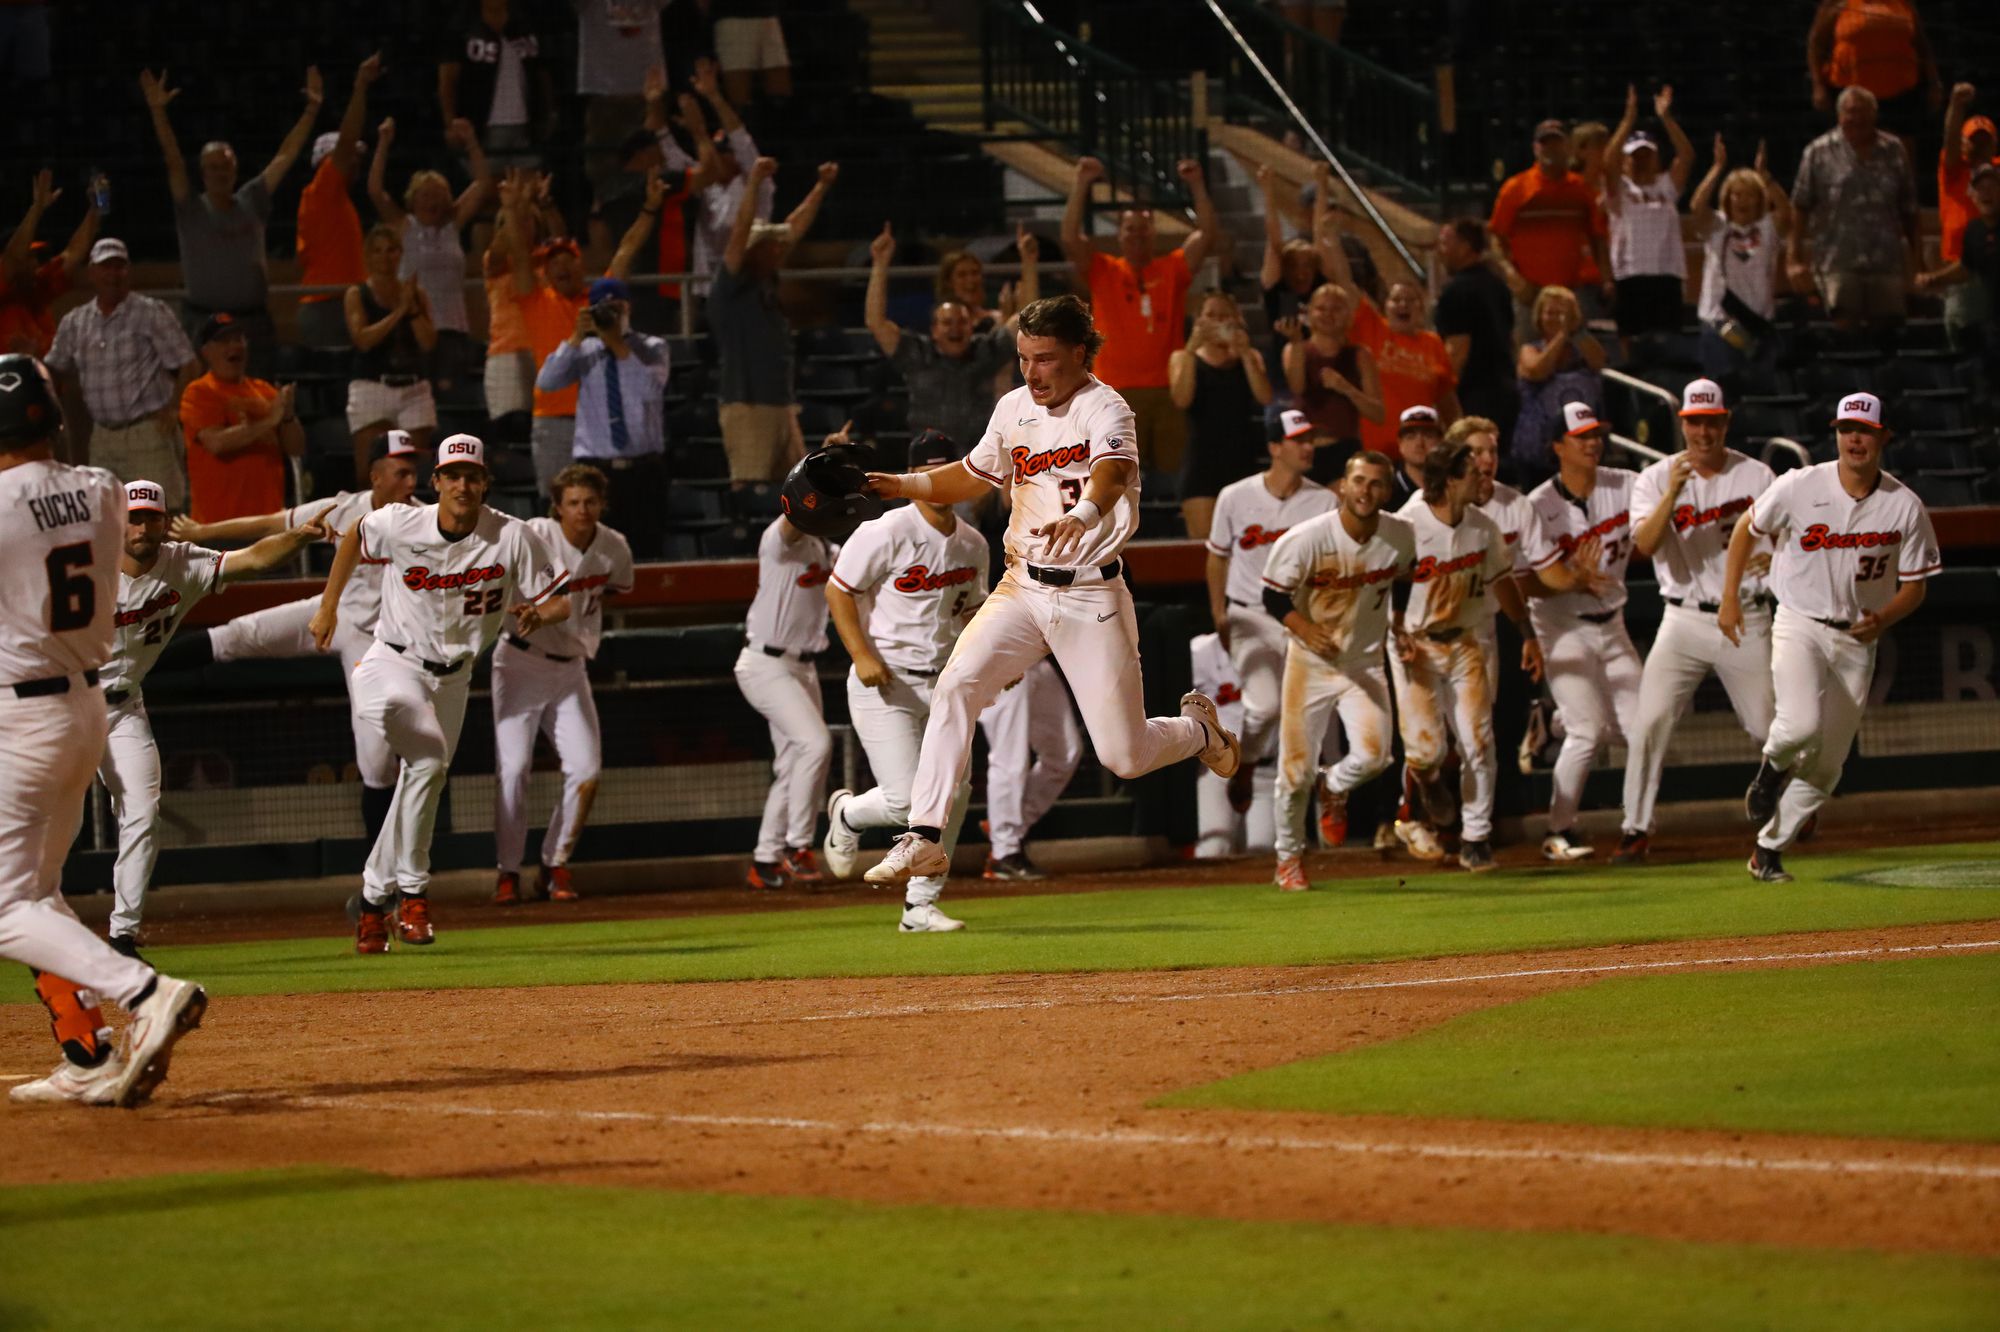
point(1685, 650)
point(1821, 675)
point(48, 749)
point(1032, 749)
point(1222, 832)
point(1593, 670)
point(890, 722)
point(1257, 651)
point(1446, 691)
point(419, 716)
point(282, 632)
point(534, 695)
point(786, 691)
point(1093, 633)
point(1313, 690)
point(130, 770)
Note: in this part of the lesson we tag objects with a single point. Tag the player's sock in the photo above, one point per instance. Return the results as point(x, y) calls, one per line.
point(928, 833)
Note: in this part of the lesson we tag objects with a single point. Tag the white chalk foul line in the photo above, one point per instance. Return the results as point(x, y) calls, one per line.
point(1149, 1138)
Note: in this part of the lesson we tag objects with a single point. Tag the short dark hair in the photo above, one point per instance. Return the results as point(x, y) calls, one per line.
point(1066, 319)
point(1443, 465)
point(1372, 458)
point(1470, 230)
point(578, 474)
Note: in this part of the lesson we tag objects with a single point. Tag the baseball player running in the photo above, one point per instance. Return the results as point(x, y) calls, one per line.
point(1250, 516)
point(785, 630)
point(1066, 441)
point(159, 581)
point(451, 570)
point(1443, 683)
point(1221, 829)
point(1853, 548)
point(544, 687)
point(1684, 511)
point(286, 630)
point(1593, 669)
point(1032, 749)
point(1328, 581)
point(61, 531)
point(924, 573)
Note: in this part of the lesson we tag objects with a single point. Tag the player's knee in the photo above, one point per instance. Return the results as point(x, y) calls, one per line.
point(1123, 761)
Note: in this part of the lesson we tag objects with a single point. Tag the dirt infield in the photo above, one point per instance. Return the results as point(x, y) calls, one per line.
point(1026, 1091)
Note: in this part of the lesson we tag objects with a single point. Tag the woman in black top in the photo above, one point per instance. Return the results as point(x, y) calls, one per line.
point(1222, 385)
point(389, 319)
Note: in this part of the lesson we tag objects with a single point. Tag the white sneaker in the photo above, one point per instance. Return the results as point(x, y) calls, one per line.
point(927, 919)
point(171, 1011)
point(842, 844)
point(1224, 753)
point(1565, 847)
point(1419, 840)
point(912, 857)
point(72, 1085)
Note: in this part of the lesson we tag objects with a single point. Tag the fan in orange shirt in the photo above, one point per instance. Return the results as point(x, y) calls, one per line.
point(29, 282)
point(329, 234)
point(239, 430)
point(1410, 360)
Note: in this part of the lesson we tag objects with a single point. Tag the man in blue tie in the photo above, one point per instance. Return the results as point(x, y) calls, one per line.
point(620, 409)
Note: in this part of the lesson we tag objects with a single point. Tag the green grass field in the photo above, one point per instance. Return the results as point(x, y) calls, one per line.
point(324, 1249)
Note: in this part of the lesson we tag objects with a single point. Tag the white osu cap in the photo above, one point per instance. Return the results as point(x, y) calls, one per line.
point(1703, 398)
point(145, 495)
point(399, 445)
point(1580, 418)
point(1416, 416)
point(461, 449)
point(1860, 409)
point(1296, 423)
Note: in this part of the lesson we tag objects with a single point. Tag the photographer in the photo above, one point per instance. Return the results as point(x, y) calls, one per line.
point(620, 409)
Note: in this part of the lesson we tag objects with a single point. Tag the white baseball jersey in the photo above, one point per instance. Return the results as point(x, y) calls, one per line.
point(1838, 557)
point(361, 599)
point(151, 605)
point(789, 610)
point(1248, 521)
point(1515, 517)
point(603, 569)
point(1046, 455)
point(925, 584)
point(1452, 579)
point(1342, 583)
point(1694, 550)
point(445, 600)
point(1563, 523)
point(65, 529)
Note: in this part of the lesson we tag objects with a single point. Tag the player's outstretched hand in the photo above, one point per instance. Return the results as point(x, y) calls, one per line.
point(315, 528)
point(872, 672)
point(1868, 628)
point(184, 528)
point(1588, 565)
point(1729, 619)
point(884, 485)
point(1531, 659)
point(1061, 538)
point(527, 618)
point(323, 621)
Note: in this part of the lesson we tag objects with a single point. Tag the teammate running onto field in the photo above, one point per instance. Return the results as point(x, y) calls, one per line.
point(543, 687)
point(1065, 439)
point(1853, 548)
point(1033, 745)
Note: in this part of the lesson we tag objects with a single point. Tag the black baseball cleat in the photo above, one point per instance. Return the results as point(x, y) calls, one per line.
point(1016, 867)
point(1632, 848)
point(126, 945)
point(1767, 866)
point(1760, 802)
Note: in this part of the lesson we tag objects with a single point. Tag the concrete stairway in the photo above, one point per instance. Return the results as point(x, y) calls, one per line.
point(925, 62)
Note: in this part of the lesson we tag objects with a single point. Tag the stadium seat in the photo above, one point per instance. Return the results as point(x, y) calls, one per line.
point(693, 503)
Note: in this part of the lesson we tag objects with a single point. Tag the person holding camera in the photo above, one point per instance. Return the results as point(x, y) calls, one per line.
point(621, 379)
point(1220, 381)
point(1741, 237)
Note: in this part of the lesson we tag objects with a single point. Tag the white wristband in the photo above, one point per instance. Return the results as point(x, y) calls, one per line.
point(915, 485)
point(1086, 513)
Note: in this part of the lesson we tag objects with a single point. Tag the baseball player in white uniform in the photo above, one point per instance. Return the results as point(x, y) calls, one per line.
point(1684, 510)
point(159, 581)
point(1221, 831)
point(1444, 687)
point(1854, 547)
point(785, 630)
point(1329, 582)
point(1593, 669)
point(1066, 441)
point(285, 630)
point(452, 570)
point(1033, 745)
point(923, 574)
point(543, 687)
point(1250, 516)
point(61, 532)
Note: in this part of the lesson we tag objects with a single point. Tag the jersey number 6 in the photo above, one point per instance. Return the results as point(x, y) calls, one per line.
point(72, 596)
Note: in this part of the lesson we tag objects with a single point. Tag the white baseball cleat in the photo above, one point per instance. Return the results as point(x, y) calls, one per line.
point(837, 853)
point(70, 1084)
point(171, 1011)
point(1419, 840)
point(1291, 876)
point(1224, 753)
point(1564, 847)
point(912, 857)
point(926, 919)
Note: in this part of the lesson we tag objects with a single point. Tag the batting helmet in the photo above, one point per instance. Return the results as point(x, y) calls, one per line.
point(29, 409)
point(823, 494)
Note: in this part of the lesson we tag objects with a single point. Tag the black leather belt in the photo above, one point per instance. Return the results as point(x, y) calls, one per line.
point(1711, 607)
point(1831, 624)
point(439, 668)
point(907, 670)
point(1242, 604)
point(55, 684)
point(781, 652)
point(1601, 617)
point(116, 696)
point(516, 641)
point(399, 381)
point(1443, 635)
point(1065, 577)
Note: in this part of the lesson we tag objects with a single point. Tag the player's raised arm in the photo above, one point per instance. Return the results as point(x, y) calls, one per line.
point(254, 528)
point(951, 484)
point(274, 550)
point(345, 560)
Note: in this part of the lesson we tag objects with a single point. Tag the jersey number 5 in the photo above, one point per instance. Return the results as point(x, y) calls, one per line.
point(482, 602)
point(72, 596)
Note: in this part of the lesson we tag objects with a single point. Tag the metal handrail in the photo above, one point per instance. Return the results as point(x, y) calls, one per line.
point(1781, 444)
point(1630, 445)
point(1640, 385)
